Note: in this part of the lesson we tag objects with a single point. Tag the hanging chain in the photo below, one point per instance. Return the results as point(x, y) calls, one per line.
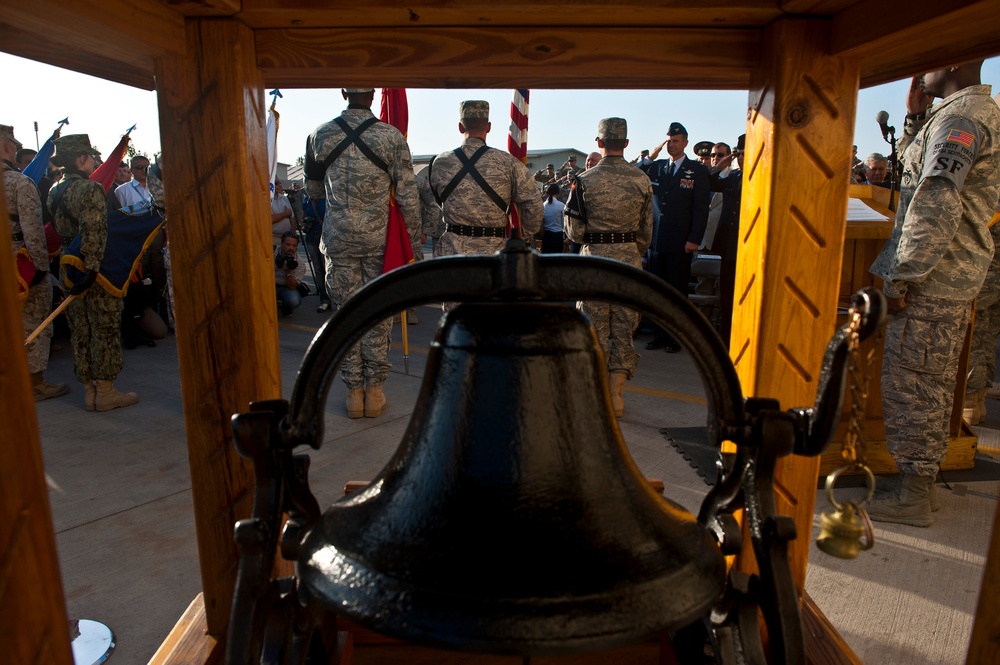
point(847, 530)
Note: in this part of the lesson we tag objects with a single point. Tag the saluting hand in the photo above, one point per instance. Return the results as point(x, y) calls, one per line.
point(917, 100)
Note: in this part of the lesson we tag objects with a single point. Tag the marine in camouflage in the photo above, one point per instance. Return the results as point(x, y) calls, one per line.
point(937, 259)
point(469, 205)
point(367, 362)
point(357, 193)
point(25, 209)
point(79, 206)
point(612, 197)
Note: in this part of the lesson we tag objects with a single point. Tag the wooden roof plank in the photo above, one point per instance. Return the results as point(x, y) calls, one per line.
point(397, 13)
point(547, 57)
point(929, 35)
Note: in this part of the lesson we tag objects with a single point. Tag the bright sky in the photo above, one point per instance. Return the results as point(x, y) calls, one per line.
point(556, 118)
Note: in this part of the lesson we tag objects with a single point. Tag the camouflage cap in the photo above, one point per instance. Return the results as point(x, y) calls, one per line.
point(703, 148)
point(358, 91)
point(675, 129)
point(74, 143)
point(7, 132)
point(474, 108)
point(612, 128)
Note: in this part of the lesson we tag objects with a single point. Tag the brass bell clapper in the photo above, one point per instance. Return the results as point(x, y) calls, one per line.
point(496, 528)
point(846, 530)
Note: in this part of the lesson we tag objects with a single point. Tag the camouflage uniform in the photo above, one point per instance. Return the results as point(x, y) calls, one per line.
point(937, 257)
point(982, 355)
point(470, 206)
point(431, 219)
point(613, 197)
point(25, 209)
point(94, 316)
point(354, 225)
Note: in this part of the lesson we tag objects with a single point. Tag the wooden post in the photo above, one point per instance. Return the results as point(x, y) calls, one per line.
point(212, 118)
point(800, 124)
point(984, 646)
point(33, 626)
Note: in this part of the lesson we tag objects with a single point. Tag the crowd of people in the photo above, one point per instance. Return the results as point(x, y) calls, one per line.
point(654, 212)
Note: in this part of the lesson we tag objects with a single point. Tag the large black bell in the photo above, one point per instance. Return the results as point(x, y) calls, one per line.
point(512, 519)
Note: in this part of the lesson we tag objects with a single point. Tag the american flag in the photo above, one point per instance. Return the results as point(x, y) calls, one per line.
point(958, 136)
point(517, 138)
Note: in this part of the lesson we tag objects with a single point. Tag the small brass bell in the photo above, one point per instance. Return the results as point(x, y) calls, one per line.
point(841, 532)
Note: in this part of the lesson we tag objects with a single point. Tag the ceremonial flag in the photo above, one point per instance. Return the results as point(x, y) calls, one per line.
point(39, 166)
point(130, 231)
point(398, 250)
point(26, 273)
point(272, 141)
point(106, 172)
point(517, 143)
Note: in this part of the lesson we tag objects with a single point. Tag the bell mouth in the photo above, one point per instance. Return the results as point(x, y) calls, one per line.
point(512, 519)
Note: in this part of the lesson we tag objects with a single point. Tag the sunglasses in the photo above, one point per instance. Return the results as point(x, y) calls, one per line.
point(720, 155)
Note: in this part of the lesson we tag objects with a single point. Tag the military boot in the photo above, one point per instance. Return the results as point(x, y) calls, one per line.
point(106, 397)
point(45, 390)
point(616, 383)
point(90, 395)
point(411, 317)
point(969, 414)
point(355, 402)
point(374, 401)
point(981, 405)
point(906, 501)
point(932, 496)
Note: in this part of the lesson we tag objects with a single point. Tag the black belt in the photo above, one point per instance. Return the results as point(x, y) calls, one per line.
point(607, 238)
point(479, 231)
point(17, 237)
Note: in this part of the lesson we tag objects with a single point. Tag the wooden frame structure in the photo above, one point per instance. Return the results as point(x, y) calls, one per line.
point(801, 60)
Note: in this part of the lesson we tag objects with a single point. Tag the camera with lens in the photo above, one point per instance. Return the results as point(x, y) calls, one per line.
point(287, 261)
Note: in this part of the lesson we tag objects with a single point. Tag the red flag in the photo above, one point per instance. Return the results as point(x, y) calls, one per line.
point(398, 250)
point(105, 173)
point(25, 273)
point(517, 145)
point(395, 110)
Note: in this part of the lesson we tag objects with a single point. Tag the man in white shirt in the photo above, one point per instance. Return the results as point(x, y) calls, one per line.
point(134, 191)
point(719, 150)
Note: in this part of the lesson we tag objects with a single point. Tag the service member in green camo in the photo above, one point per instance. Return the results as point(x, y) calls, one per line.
point(80, 207)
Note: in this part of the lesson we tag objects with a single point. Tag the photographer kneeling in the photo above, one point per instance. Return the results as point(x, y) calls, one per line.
point(288, 274)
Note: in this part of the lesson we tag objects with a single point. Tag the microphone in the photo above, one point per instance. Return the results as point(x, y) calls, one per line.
point(882, 118)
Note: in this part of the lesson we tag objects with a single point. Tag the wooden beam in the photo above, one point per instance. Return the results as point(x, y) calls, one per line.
point(189, 641)
point(546, 57)
point(205, 8)
point(32, 608)
point(212, 117)
point(984, 646)
point(113, 39)
point(795, 176)
point(824, 644)
point(892, 44)
point(485, 13)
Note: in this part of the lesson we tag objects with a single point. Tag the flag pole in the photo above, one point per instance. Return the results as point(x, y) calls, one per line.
point(406, 342)
point(58, 310)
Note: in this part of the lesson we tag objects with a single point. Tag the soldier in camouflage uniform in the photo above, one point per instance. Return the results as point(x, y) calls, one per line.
point(356, 176)
point(986, 329)
point(27, 233)
point(933, 265)
point(79, 206)
point(610, 213)
point(476, 217)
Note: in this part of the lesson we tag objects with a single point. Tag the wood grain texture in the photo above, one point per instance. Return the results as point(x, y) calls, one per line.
point(984, 646)
point(212, 117)
point(897, 40)
point(33, 626)
point(189, 642)
point(824, 644)
point(113, 39)
point(801, 122)
point(397, 13)
point(550, 57)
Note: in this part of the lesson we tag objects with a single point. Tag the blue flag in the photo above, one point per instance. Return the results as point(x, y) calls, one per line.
point(130, 231)
point(39, 166)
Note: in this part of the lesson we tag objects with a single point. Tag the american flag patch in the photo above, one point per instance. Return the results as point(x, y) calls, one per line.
point(958, 136)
